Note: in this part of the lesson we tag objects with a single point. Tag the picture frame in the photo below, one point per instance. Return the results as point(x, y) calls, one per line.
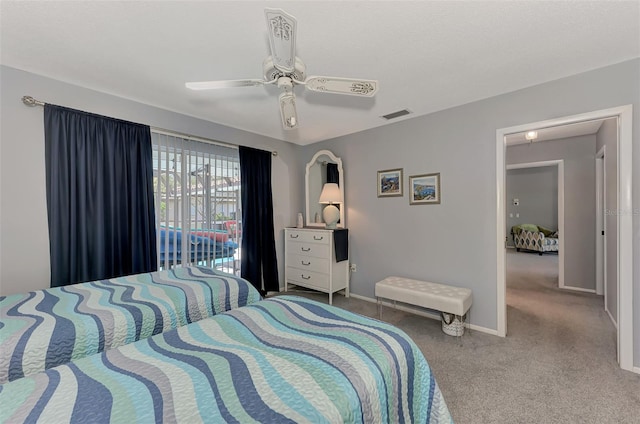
point(390, 183)
point(425, 189)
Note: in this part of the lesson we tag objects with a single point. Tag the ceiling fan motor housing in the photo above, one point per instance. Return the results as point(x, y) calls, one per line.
point(271, 72)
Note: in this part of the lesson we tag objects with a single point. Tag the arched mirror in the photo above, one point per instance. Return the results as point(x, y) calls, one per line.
point(324, 167)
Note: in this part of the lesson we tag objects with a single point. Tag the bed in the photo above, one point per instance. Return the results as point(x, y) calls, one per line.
point(285, 359)
point(45, 328)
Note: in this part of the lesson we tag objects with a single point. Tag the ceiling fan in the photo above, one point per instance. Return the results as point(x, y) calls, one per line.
point(284, 69)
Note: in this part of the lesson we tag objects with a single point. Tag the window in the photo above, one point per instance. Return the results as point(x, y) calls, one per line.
point(197, 201)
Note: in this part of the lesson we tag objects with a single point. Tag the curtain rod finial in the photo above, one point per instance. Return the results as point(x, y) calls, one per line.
point(30, 101)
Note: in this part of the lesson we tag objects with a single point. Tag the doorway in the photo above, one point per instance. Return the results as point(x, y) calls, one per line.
point(559, 208)
point(624, 228)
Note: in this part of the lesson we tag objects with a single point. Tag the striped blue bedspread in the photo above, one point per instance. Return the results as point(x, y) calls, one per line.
point(281, 360)
point(46, 328)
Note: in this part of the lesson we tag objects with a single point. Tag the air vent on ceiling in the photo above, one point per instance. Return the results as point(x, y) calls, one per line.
point(397, 114)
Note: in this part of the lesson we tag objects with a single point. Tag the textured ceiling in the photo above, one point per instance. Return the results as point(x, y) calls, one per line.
point(428, 56)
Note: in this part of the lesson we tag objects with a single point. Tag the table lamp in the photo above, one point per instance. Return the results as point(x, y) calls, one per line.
point(331, 194)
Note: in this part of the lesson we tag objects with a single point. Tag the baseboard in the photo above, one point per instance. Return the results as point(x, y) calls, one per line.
point(613, 321)
point(579, 289)
point(422, 313)
point(636, 370)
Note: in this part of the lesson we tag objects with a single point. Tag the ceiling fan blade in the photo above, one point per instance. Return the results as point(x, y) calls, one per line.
point(350, 86)
point(282, 38)
point(288, 110)
point(210, 85)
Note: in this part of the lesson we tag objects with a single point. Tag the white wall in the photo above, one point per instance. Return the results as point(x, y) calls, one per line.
point(537, 192)
point(455, 242)
point(24, 245)
point(608, 136)
point(579, 155)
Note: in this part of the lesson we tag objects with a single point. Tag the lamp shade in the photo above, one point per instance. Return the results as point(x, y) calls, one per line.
point(330, 194)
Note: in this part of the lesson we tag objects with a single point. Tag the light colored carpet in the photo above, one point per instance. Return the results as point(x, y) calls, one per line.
point(557, 365)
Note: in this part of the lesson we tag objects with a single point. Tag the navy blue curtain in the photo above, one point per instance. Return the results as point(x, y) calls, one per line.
point(259, 262)
point(99, 196)
point(333, 176)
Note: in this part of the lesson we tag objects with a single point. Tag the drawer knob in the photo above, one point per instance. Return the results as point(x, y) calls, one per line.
point(305, 263)
point(294, 235)
point(305, 277)
point(318, 238)
point(305, 250)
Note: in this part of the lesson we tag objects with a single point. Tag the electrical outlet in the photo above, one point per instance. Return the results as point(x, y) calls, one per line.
point(353, 267)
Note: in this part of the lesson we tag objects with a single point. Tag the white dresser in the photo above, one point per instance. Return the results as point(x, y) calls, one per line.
point(310, 261)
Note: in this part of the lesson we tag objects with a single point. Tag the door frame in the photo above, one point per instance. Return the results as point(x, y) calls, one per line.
point(601, 225)
point(624, 115)
point(560, 164)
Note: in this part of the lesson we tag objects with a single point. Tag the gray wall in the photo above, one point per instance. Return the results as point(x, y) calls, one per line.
point(537, 192)
point(455, 242)
point(578, 154)
point(608, 136)
point(24, 245)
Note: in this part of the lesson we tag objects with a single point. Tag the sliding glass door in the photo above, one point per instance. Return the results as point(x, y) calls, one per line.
point(197, 197)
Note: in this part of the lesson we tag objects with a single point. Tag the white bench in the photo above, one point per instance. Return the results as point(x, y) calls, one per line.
point(440, 297)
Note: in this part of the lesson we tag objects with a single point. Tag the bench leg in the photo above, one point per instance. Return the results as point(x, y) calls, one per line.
point(469, 319)
point(379, 309)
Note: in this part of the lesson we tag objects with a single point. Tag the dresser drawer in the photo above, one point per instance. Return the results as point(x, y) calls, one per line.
point(308, 249)
point(320, 237)
point(308, 278)
point(308, 263)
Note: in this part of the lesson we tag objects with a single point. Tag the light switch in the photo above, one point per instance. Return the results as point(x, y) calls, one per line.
point(517, 215)
point(510, 215)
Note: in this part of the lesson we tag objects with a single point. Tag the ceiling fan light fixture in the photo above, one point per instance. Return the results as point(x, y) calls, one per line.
point(288, 110)
point(531, 135)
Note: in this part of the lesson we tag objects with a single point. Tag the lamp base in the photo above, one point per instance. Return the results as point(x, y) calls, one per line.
point(331, 215)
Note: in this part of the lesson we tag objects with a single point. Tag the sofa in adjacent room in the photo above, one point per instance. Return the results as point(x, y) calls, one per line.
point(535, 238)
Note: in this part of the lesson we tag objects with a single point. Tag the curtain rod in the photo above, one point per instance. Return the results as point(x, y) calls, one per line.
point(31, 102)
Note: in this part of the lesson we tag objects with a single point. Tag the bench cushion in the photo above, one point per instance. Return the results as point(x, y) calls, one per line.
point(441, 297)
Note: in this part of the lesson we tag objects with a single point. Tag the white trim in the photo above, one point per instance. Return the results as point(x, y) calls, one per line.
point(613, 321)
point(423, 313)
point(625, 239)
point(636, 370)
point(601, 198)
point(625, 222)
point(560, 164)
point(579, 289)
point(539, 164)
point(501, 217)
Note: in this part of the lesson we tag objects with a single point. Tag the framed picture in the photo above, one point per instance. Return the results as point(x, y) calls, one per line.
point(390, 183)
point(425, 189)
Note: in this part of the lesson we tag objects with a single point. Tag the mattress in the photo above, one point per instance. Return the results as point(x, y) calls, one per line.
point(45, 328)
point(281, 360)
